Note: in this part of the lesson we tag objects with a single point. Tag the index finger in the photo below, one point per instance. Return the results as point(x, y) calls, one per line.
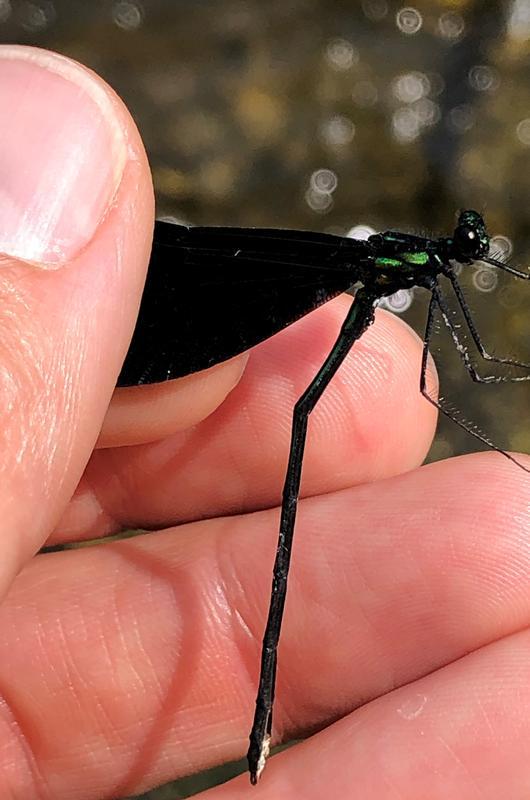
point(372, 422)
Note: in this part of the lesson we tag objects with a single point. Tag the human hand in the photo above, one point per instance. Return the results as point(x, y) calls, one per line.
point(128, 664)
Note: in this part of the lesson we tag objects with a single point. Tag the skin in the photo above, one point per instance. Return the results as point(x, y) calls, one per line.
point(128, 664)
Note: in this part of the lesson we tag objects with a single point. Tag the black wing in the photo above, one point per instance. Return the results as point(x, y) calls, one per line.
point(212, 293)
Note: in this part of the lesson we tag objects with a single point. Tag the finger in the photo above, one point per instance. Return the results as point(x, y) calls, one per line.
point(463, 732)
point(152, 412)
point(74, 175)
point(235, 460)
point(160, 635)
point(126, 423)
point(77, 216)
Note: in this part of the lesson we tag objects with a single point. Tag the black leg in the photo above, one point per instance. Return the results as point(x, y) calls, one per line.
point(360, 316)
point(464, 354)
point(476, 336)
point(438, 404)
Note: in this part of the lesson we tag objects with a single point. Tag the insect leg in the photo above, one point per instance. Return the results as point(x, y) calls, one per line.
point(464, 354)
point(359, 317)
point(475, 334)
point(438, 404)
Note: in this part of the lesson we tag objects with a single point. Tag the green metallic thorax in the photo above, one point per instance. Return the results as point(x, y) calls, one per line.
point(402, 260)
point(414, 259)
point(419, 258)
point(384, 263)
point(401, 251)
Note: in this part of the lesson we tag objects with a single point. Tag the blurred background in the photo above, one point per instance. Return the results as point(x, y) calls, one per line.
point(334, 116)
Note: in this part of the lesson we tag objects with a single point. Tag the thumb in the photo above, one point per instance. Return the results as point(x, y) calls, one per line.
point(76, 218)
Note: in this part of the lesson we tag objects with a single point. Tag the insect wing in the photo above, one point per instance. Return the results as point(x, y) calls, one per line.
point(212, 293)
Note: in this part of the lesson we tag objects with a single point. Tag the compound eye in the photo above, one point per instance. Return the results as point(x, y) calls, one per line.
point(466, 240)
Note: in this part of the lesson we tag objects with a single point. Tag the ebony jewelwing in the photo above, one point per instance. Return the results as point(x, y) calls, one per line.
point(212, 293)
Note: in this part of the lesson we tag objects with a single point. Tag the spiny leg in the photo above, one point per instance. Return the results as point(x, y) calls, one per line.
point(462, 302)
point(464, 354)
point(434, 303)
point(359, 317)
point(495, 262)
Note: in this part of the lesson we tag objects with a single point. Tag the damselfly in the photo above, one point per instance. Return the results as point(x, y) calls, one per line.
point(212, 293)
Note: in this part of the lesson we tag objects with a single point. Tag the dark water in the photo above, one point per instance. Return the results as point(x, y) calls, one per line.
point(252, 112)
point(326, 115)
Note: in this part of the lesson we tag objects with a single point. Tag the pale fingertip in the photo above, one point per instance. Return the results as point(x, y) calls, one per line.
point(141, 414)
point(64, 151)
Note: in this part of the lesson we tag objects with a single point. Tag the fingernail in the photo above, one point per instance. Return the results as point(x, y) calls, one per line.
point(62, 156)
